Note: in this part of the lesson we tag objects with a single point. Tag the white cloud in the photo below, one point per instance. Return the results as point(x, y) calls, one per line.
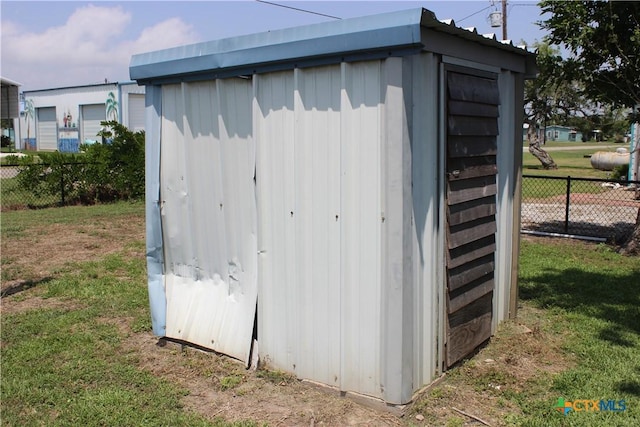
point(93, 44)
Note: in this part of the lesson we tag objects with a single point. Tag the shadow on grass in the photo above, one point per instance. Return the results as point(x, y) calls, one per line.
point(614, 298)
point(23, 286)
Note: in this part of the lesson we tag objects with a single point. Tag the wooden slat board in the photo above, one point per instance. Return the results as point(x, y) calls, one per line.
point(471, 146)
point(472, 129)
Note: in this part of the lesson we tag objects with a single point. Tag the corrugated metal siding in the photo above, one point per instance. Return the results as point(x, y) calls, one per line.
point(361, 226)
point(47, 136)
point(274, 119)
point(317, 221)
point(209, 214)
point(505, 197)
point(318, 177)
point(426, 181)
point(153, 218)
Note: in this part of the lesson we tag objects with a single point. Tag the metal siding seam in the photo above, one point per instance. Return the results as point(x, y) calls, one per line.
point(274, 169)
point(153, 223)
point(318, 307)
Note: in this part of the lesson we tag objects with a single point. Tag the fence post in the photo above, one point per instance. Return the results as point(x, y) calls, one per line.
point(62, 184)
point(566, 207)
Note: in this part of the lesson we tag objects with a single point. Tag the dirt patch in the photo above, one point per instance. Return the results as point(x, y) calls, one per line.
point(34, 302)
point(614, 197)
point(221, 387)
point(522, 357)
point(41, 252)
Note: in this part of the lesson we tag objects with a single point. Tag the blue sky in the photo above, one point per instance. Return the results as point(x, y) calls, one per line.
point(48, 44)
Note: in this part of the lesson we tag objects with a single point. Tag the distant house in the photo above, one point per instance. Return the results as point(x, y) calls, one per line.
point(562, 134)
point(61, 119)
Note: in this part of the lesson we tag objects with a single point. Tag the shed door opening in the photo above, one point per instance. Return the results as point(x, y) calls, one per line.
point(47, 129)
point(472, 129)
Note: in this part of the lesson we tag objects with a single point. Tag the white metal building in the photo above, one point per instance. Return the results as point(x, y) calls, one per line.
point(351, 186)
point(63, 118)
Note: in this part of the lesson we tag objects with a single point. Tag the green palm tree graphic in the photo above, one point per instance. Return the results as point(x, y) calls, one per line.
point(112, 107)
point(29, 113)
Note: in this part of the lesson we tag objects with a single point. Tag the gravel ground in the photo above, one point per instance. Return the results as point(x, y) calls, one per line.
point(595, 220)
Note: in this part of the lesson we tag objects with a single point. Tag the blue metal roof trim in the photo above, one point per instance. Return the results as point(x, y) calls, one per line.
point(376, 35)
point(396, 30)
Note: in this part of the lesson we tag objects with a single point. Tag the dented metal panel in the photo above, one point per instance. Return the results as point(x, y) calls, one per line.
point(277, 256)
point(209, 214)
point(155, 254)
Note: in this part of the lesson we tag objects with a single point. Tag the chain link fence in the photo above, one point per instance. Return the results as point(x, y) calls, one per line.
point(39, 185)
point(588, 207)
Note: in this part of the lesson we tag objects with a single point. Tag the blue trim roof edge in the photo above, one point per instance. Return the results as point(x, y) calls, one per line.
point(387, 34)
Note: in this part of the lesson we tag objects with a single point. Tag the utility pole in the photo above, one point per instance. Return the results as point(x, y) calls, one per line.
point(504, 20)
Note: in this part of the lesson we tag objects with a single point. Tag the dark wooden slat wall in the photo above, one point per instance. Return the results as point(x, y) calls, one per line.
point(472, 129)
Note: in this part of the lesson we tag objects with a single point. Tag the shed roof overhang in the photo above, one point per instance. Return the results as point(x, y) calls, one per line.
point(390, 34)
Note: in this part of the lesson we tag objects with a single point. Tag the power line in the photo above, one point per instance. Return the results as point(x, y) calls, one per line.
point(297, 9)
point(475, 13)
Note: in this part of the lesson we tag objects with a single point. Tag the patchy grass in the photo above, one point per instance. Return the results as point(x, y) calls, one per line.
point(77, 348)
point(577, 336)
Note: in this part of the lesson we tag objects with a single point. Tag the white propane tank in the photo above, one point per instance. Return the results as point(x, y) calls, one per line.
point(607, 161)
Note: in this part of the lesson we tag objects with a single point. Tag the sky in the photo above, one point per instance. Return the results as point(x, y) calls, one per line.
point(52, 44)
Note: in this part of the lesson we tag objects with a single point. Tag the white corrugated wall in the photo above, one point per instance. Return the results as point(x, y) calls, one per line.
point(209, 214)
point(428, 242)
point(336, 249)
point(342, 227)
point(318, 177)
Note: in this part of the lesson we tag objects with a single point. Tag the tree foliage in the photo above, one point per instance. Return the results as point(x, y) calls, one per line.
point(104, 172)
point(602, 39)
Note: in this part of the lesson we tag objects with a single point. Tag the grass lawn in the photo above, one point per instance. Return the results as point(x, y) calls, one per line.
point(570, 163)
point(577, 337)
point(73, 343)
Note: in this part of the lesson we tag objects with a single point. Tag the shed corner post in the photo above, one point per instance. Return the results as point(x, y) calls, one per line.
point(517, 196)
point(154, 243)
point(397, 270)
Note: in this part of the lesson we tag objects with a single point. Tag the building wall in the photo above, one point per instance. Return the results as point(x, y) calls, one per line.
point(70, 103)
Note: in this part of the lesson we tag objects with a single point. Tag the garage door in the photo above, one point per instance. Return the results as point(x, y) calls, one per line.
point(92, 115)
point(47, 136)
point(136, 112)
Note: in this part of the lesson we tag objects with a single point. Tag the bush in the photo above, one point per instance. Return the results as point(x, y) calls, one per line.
point(51, 174)
point(5, 141)
point(102, 173)
point(620, 172)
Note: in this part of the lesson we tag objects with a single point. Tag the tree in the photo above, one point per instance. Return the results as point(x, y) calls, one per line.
point(602, 39)
point(538, 103)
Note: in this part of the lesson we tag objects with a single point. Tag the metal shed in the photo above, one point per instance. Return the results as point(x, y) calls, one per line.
point(345, 195)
